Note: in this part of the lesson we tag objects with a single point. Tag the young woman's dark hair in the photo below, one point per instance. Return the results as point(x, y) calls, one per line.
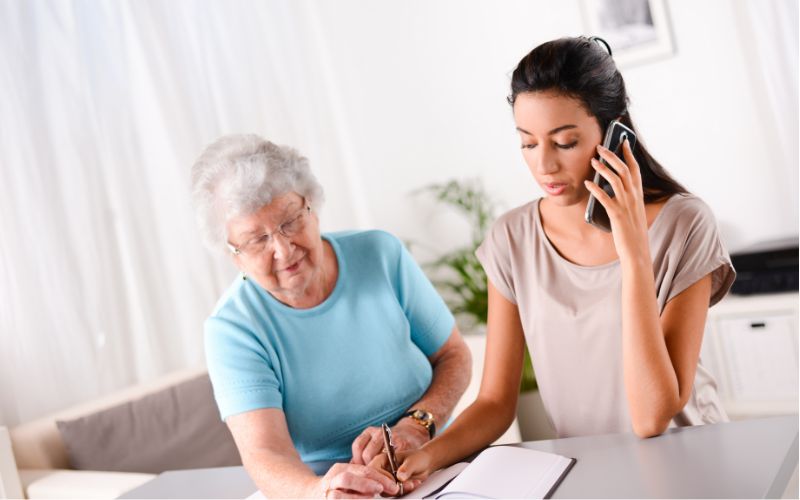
point(582, 69)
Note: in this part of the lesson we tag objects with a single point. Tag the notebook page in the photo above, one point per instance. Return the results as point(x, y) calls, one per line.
point(508, 472)
point(436, 480)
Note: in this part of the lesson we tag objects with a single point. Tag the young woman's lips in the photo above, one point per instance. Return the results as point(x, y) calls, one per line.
point(555, 188)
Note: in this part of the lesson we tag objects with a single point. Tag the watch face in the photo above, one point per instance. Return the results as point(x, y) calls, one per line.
point(423, 418)
point(422, 415)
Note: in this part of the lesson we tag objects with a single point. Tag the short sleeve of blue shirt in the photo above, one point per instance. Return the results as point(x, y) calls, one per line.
point(431, 320)
point(358, 359)
point(242, 367)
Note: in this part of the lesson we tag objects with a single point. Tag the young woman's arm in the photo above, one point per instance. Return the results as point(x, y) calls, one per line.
point(494, 409)
point(659, 353)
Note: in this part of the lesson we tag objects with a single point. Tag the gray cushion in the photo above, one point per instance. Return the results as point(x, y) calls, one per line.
point(175, 428)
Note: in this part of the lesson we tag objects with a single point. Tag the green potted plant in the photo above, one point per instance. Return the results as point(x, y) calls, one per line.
point(458, 274)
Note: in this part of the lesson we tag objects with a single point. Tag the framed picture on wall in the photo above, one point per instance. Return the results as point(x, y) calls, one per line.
point(637, 30)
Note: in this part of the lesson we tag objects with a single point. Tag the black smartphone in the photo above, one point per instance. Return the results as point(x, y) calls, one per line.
point(616, 133)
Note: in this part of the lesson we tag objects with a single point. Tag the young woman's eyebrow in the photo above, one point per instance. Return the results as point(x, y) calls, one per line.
point(554, 131)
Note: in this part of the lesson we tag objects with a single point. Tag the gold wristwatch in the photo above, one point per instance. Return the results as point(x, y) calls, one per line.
point(423, 418)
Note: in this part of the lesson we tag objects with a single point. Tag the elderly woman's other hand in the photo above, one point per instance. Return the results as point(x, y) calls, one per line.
point(355, 481)
point(406, 435)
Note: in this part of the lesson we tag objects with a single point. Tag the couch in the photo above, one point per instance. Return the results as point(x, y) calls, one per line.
point(35, 462)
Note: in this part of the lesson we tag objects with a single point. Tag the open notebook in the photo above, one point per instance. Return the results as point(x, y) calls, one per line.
point(499, 472)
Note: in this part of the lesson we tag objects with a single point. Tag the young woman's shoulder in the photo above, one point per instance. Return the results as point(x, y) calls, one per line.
point(513, 228)
point(521, 216)
point(689, 211)
point(688, 245)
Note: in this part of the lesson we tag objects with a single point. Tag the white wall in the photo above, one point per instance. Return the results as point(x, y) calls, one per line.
point(422, 86)
point(109, 103)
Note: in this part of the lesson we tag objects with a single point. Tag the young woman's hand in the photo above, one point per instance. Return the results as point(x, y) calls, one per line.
point(413, 467)
point(626, 209)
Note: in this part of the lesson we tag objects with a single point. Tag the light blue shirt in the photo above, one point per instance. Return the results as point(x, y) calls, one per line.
point(357, 359)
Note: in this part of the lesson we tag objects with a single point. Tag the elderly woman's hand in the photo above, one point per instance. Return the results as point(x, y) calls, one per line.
point(355, 481)
point(407, 435)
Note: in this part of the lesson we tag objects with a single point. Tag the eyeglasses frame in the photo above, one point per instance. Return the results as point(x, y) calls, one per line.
point(301, 213)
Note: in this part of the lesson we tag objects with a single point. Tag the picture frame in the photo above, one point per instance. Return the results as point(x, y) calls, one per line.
point(637, 31)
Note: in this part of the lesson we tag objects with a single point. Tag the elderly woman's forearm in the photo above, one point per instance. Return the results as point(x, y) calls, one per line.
point(280, 475)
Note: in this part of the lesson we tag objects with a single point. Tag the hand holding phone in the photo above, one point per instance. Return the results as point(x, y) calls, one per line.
point(616, 133)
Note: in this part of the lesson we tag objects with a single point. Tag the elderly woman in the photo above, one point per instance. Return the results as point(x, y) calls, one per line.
point(323, 337)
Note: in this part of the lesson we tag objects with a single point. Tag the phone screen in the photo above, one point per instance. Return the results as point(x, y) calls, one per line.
point(616, 133)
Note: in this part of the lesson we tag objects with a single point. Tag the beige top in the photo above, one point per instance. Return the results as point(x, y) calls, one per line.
point(572, 319)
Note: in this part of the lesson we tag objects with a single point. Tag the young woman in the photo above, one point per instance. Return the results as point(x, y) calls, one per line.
point(614, 321)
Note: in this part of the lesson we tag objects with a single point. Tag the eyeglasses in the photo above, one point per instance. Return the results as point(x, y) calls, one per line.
point(287, 229)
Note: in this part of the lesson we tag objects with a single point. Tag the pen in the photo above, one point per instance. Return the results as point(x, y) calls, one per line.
point(389, 446)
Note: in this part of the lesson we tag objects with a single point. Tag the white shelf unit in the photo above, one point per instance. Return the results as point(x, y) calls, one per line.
point(751, 347)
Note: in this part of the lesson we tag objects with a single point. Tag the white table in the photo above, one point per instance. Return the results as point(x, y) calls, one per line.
point(746, 459)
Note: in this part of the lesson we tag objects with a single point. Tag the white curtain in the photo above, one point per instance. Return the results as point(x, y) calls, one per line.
point(103, 279)
point(105, 104)
point(769, 40)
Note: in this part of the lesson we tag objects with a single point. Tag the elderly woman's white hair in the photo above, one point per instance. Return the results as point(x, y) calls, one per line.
point(238, 174)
